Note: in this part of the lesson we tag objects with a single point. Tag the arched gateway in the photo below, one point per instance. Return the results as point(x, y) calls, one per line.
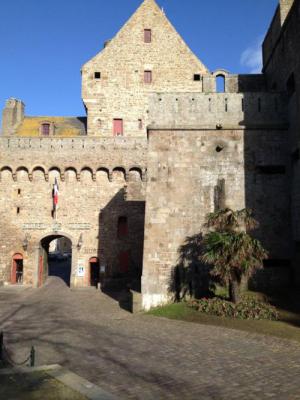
point(55, 258)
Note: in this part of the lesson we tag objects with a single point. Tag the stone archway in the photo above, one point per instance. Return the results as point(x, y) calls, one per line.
point(55, 255)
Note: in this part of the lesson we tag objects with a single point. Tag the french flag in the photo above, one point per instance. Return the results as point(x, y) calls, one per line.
point(55, 195)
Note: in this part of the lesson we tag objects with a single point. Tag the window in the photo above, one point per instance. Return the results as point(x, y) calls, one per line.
point(291, 85)
point(271, 169)
point(19, 192)
point(124, 261)
point(97, 75)
point(118, 127)
point(220, 81)
point(296, 156)
point(197, 77)
point(122, 227)
point(140, 124)
point(148, 76)
point(147, 35)
point(45, 129)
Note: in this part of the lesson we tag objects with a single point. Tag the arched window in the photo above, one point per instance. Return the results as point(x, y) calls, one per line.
point(220, 82)
point(122, 227)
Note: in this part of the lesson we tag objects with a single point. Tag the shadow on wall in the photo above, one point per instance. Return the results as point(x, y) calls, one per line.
point(121, 238)
point(266, 161)
point(190, 277)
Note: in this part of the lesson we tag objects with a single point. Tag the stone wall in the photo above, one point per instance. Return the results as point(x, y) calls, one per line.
point(282, 73)
point(99, 181)
point(182, 189)
point(210, 109)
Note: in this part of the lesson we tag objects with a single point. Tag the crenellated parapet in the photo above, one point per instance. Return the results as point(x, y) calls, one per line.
point(218, 110)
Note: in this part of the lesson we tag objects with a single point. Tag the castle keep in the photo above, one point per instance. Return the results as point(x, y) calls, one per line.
point(159, 148)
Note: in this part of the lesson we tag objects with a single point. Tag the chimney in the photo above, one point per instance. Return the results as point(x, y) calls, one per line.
point(285, 6)
point(12, 116)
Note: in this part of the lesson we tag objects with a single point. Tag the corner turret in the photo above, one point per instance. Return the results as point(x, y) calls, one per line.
point(12, 116)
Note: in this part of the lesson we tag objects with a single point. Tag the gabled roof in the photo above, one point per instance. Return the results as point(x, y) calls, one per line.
point(149, 6)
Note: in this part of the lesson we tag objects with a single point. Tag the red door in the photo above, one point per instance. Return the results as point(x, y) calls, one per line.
point(17, 260)
point(118, 127)
point(41, 268)
point(124, 257)
point(94, 272)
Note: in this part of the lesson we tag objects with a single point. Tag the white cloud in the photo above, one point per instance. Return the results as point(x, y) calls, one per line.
point(251, 58)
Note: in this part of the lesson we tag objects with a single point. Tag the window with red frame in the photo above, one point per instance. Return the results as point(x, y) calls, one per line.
point(147, 35)
point(45, 129)
point(148, 76)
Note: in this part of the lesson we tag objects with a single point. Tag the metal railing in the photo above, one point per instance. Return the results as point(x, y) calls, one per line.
point(6, 358)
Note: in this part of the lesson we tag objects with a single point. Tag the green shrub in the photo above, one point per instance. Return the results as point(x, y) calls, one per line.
point(247, 308)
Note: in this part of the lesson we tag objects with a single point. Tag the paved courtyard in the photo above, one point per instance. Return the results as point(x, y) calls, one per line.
point(143, 357)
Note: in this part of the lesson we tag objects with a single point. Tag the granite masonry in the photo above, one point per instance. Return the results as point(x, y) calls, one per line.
point(160, 148)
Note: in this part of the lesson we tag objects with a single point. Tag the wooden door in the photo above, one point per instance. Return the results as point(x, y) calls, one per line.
point(94, 271)
point(41, 270)
point(118, 127)
point(16, 258)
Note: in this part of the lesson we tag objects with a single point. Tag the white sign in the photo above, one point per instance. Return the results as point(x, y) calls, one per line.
point(80, 268)
point(102, 268)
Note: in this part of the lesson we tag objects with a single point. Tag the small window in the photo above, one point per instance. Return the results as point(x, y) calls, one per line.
point(296, 156)
point(97, 75)
point(291, 85)
point(124, 261)
point(277, 263)
point(122, 227)
point(140, 124)
point(45, 128)
point(197, 77)
point(271, 169)
point(19, 192)
point(147, 76)
point(118, 127)
point(18, 210)
point(147, 35)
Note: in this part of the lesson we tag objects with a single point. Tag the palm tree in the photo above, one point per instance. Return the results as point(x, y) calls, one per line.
point(230, 250)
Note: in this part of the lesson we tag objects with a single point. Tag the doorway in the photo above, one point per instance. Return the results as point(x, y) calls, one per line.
point(17, 269)
point(55, 259)
point(94, 271)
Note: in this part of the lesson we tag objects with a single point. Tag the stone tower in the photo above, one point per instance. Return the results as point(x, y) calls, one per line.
point(147, 55)
point(12, 116)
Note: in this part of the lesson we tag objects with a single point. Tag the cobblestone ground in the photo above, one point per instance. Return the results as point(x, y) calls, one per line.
point(143, 357)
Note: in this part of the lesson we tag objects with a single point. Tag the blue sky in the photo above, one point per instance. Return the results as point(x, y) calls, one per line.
point(44, 43)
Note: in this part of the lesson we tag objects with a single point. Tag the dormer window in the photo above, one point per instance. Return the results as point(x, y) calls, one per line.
point(147, 35)
point(45, 129)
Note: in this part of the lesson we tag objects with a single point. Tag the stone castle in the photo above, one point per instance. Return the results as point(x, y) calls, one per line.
point(160, 147)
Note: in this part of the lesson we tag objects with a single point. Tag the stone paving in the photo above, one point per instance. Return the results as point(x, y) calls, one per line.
point(143, 357)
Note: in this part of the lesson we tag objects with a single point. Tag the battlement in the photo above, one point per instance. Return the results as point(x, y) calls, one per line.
point(77, 154)
point(173, 110)
point(67, 144)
